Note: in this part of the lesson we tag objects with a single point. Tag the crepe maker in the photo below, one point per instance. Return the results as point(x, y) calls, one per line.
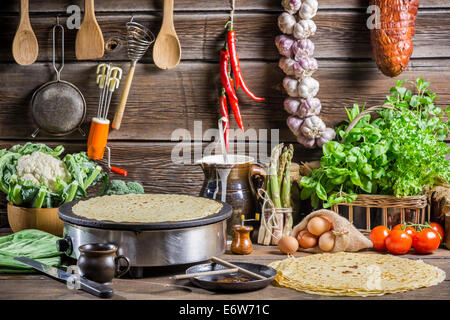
point(148, 244)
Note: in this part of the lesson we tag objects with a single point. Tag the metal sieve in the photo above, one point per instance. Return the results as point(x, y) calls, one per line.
point(58, 107)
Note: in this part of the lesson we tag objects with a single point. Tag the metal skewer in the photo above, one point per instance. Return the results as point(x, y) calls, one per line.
point(108, 80)
point(103, 72)
point(113, 84)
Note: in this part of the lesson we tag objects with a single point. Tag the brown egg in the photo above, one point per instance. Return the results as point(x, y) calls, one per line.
point(326, 241)
point(318, 225)
point(306, 240)
point(330, 220)
point(288, 244)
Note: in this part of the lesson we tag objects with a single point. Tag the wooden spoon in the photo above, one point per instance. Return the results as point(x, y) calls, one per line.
point(25, 46)
point(89, 43)
point(167, 49)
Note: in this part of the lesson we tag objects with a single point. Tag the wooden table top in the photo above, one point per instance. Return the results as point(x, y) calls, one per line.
point(155, 286)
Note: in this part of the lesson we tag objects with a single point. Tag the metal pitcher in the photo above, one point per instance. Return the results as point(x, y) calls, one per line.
point(234, 182)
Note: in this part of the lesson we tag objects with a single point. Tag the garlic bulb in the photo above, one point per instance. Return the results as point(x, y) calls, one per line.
point(305, 67)
point(299, 65)
point(291, 86)
point(312, 127)
point(284, 45)
point(287, 65)
point(308, 10)
point(286, 22)
point(302, 48)
point(309, 107)
point(291, 6)
point(308, 143)
point(326, 136)
point(308, 88)
point(294, 123)
point(304, 29)
point(291, 105)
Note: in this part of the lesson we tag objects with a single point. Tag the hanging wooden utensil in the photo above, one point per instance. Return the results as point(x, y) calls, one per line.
point(25, 46)
point(167, 48)
point(89, 43)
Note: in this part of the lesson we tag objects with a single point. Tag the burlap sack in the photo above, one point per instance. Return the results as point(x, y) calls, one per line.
point(348, 238)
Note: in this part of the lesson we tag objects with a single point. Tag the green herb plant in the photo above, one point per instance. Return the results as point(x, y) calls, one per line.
point(399, 153)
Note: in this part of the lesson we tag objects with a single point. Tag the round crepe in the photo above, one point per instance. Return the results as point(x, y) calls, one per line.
point(146, 208)
point(355, 274)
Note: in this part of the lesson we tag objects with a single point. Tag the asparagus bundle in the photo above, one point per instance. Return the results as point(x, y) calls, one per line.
point(278, 190)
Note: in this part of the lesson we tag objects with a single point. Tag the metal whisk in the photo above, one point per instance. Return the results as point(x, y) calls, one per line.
point(139, 40)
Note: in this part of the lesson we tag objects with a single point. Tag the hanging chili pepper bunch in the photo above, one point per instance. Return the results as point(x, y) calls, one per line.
point(232, 79)
point(299, 65)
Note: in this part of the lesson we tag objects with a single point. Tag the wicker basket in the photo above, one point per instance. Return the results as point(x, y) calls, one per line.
point(410, 209)
point(392, 210)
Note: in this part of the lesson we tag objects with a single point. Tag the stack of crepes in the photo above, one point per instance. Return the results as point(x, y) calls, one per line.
point(355, 274)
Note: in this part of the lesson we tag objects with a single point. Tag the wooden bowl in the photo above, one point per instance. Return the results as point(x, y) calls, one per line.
point(45, 219)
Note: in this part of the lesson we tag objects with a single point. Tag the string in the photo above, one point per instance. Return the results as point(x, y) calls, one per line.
point(271, 220)
point(232, 13)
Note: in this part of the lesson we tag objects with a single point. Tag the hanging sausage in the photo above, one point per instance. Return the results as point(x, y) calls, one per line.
point(392, 40)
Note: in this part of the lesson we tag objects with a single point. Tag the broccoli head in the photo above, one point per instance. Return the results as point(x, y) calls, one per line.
point(135, 187)
point(118, 187)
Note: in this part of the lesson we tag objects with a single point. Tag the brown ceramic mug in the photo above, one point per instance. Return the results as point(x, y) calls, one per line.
point(98, 262)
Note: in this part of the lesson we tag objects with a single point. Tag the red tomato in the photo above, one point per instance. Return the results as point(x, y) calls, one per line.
point(438, 228)
point(378, 237)
point(398, 242)
point(409, 230)
point(426, 241)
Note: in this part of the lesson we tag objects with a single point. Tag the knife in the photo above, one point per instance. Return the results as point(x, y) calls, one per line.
point(86, 285)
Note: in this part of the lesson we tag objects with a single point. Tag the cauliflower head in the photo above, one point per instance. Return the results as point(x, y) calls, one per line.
point(40, 168)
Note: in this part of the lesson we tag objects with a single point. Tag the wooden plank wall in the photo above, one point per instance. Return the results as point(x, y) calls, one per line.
point(163, 101)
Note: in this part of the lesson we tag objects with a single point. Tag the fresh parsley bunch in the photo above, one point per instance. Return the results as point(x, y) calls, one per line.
point(399, 153)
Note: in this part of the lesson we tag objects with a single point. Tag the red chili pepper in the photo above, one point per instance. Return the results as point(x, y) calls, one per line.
point(232, 83)
point(224, 113)
point(237, 113)
point(224, 77)
point(226, 82)
point(231, 39)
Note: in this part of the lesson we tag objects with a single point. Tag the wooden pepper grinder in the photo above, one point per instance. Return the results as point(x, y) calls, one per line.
point(242, 244)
